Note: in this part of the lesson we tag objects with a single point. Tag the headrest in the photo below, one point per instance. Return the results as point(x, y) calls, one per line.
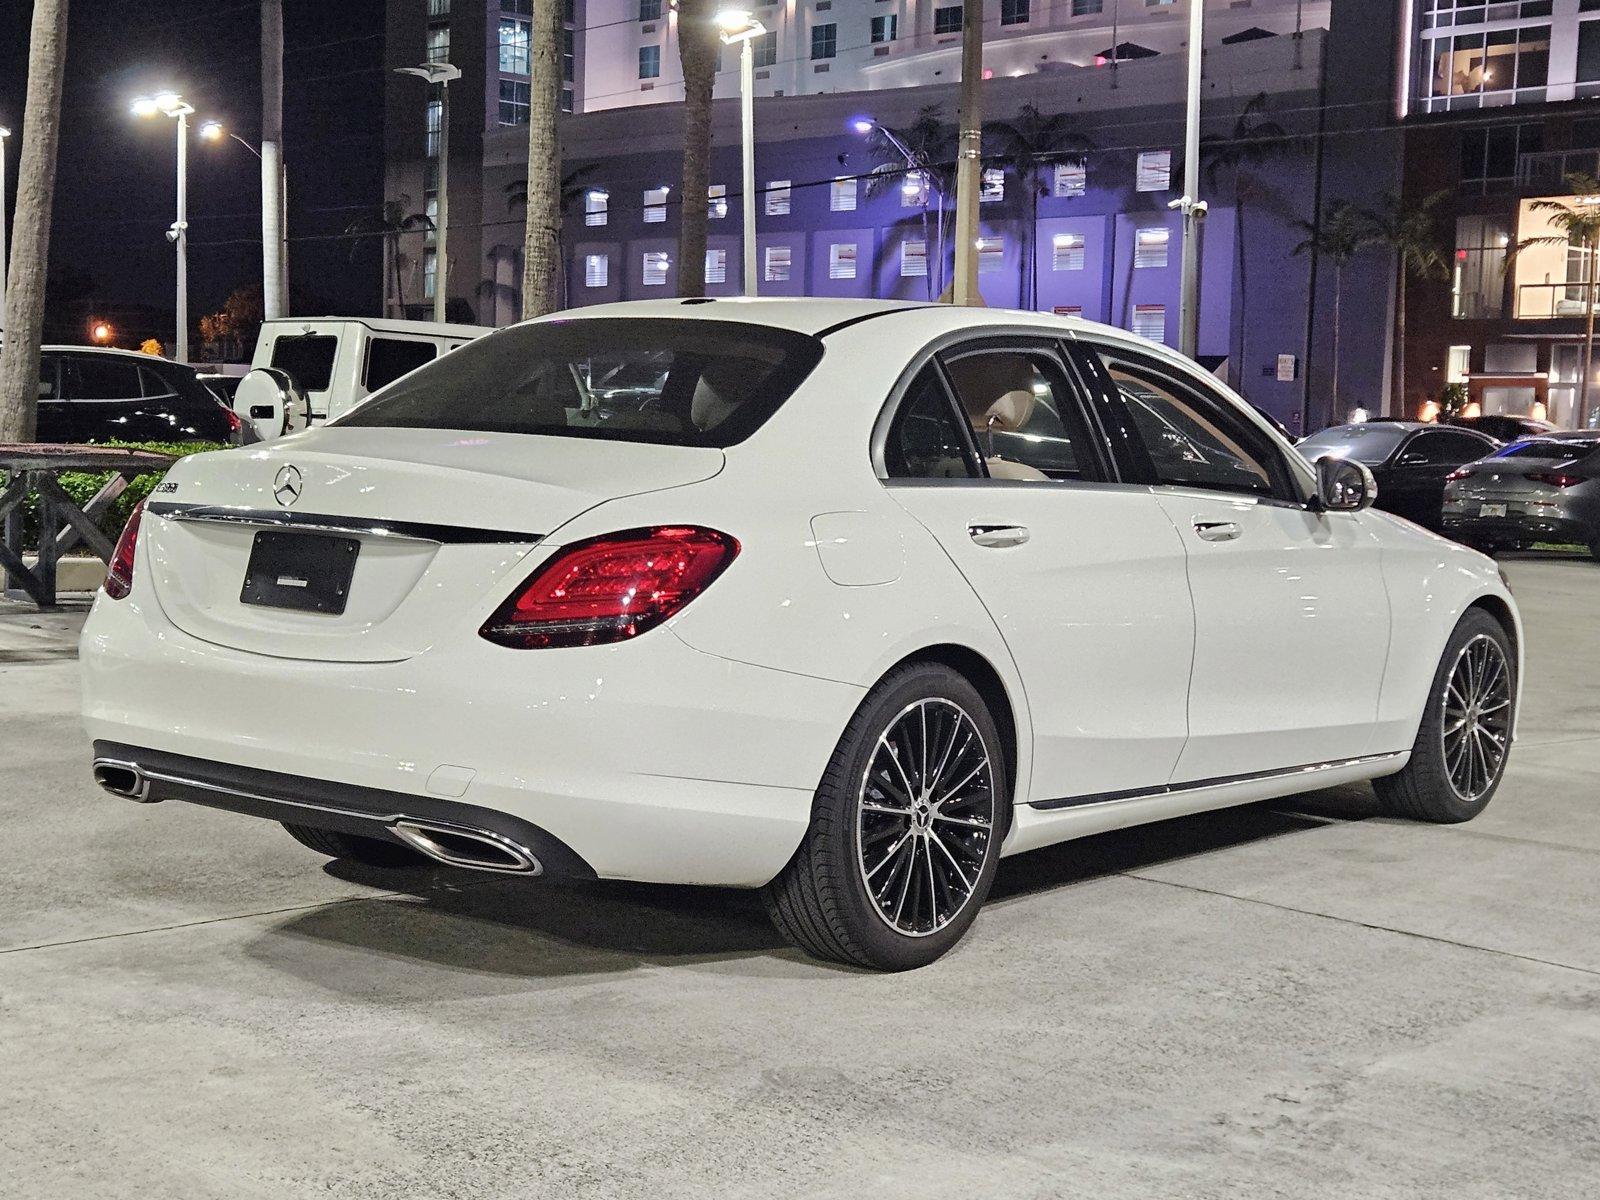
point(995, 389)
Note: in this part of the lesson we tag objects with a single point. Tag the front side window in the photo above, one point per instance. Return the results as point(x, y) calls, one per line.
point(673, 381)
point(1024, 415)
point(1369, 443)
point(925, 439)
point(1194, 439)
point(1444, 448)
point(307, 357)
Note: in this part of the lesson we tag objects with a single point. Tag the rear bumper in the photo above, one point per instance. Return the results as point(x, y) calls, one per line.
point(648, 761)
point(1518, 528)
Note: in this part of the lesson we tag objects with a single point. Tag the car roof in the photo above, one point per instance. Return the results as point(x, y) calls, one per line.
point(1405, 426)
point(388, 325)
point(115, 352)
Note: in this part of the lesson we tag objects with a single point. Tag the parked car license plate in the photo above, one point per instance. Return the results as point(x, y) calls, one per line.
point(304, 571)
point(1491, 510)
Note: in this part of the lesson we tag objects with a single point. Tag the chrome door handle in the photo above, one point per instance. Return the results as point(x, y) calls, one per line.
point(998, 536)
point(1217, 531)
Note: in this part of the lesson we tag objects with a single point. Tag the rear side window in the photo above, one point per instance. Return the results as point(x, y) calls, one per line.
point(1023, 413)
point(925, 440)
point(1556, 449)
point(675, 381)
point(307, 357)
point(103, 378)
point(155, 385)
point(1444, 447)
point(390, 358)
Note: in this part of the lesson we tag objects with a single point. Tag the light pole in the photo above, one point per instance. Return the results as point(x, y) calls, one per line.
point(4, 134)
point(740, 27)
point(171, 104)
point(929, 186)
point(275, 265)
point(1189, 204)
point(441, 73)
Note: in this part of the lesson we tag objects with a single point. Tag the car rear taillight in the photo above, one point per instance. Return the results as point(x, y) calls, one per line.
point(1554, 478)
point(1458, 473)
point(119, 573)
point(611, 588)
point(234, 422)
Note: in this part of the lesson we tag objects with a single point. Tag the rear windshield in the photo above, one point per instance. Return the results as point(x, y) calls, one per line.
point(674, 381)
point(307, 357)
point(1563, 449)
point(1371, 444)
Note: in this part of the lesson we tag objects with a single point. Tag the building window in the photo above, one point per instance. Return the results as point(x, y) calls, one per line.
point(438, 43)
point(596, 207)
point(885, 28)
point(1458, 364)
point(716, 266)
point(430, 209)
point(1150, 247)
point(514, 46)
point(1072, 179)
point(1503, 61)
point(842, 195)
point(649, 10)
point(1155, 171)
point(656, 265)
point(649, 62)
point(1087, 8)
point(777, 260)
point(433, 119)
point(914, 259)
point(778, 198)
point(824, 40)
point(1067, 252)
point(596, 270)
point(569, 56)
point(514, 101)
point(438, 8)
point(947, 19)
point(991, 255)
point(655, 205)
point(1478, 282)
point(430, 273)
point(1013, 12)
point(717, 201)
point(842, 260)
point(994, 185)
point(765, 51)
point(1490, 158)
point(566, 99)
point(1150, 321)
point(914, 189)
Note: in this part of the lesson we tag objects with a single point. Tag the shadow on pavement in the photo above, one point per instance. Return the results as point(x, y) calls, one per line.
point(522, 930)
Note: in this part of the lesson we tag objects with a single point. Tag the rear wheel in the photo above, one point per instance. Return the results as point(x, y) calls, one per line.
point(905, 828)
point(1460, 753)
point(373, 852)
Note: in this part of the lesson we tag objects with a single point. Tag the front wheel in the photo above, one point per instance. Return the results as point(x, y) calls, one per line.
point(905, 827)
point(1462, 746)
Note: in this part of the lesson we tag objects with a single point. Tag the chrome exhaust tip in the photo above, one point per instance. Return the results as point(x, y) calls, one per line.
point(458, 846)
point(123, 779)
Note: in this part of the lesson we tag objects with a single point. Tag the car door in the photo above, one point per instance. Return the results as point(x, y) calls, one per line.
point(53, 423)
point(1291, 614)
point(104, 397)
point(992, 449)
point(1415, 476)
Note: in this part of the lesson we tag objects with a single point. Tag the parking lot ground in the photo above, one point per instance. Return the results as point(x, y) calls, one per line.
point(1296, 999)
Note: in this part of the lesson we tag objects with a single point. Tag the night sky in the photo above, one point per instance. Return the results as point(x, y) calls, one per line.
point(116, 178)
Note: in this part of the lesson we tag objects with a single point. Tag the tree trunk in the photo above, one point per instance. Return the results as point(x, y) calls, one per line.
point(1244, 291)
point(399, 278)
point(30, 243)
point(1582, 414)
point(541, 245)
point(272, 210)
point(1033, 243)
point(697, 52)
point(1338, 302)
point(1398, 398)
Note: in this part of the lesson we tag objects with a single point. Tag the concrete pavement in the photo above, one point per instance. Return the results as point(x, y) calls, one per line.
point(1286, 1000)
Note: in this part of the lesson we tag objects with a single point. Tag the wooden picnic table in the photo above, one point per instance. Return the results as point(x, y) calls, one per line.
point(63, 526)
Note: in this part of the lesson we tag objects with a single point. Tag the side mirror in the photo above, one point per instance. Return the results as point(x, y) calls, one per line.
point(1344, 485)
point(271, 403)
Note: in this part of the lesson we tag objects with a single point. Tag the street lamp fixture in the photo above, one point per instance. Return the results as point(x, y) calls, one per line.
point(440, 73)
point(171, 104)
point(740, 27)
point(919, 184)
point(101, 332)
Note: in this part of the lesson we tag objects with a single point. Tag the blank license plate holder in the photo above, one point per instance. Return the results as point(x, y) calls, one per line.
point(306, 572)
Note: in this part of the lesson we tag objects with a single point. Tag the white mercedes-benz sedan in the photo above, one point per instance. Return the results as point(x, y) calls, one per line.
point(841, 600)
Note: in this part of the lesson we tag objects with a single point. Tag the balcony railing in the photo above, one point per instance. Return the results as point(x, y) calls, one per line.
point(1552, 301)
point(1548, 171)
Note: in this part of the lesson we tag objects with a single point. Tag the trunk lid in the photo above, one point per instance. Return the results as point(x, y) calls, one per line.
point(443, 524)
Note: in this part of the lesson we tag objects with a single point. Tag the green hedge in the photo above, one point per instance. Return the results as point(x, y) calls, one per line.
point(82, 485)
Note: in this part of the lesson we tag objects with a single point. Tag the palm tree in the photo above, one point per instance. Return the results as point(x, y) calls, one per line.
point(572, 187)
point(1338, 236)
point(1026, 147)
point(697, 51)
point(1578, 220)
point(1253, 141)
point(1413, 234)
point(930, 145)
point(30, 248)
point(541, 238)
point(385, 227)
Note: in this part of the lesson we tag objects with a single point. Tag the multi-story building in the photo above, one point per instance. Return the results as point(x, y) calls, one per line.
point(1503, 103)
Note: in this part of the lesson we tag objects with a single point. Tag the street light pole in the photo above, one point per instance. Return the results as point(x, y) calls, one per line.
point(1190, 204)
point(173, 105)
point(928, 186)
point(740, 25)
point(274, 266)
point(969, 155)
point(440, 73)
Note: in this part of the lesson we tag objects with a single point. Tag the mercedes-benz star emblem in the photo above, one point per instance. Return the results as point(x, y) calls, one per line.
point(288, 485)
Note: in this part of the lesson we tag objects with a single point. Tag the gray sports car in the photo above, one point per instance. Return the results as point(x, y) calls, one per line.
point(1542, 489)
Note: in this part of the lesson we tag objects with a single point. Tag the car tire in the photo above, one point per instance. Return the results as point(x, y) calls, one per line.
point(1460, 754)
point(371, 852)
point(943, 850)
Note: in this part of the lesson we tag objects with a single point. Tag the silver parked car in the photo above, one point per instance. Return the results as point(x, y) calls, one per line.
point(1542, 489)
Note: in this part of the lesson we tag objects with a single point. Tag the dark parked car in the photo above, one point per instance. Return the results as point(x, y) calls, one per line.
point(1544, 489)
point(1503, 428)
point(1409, 459)
point(87, 394)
